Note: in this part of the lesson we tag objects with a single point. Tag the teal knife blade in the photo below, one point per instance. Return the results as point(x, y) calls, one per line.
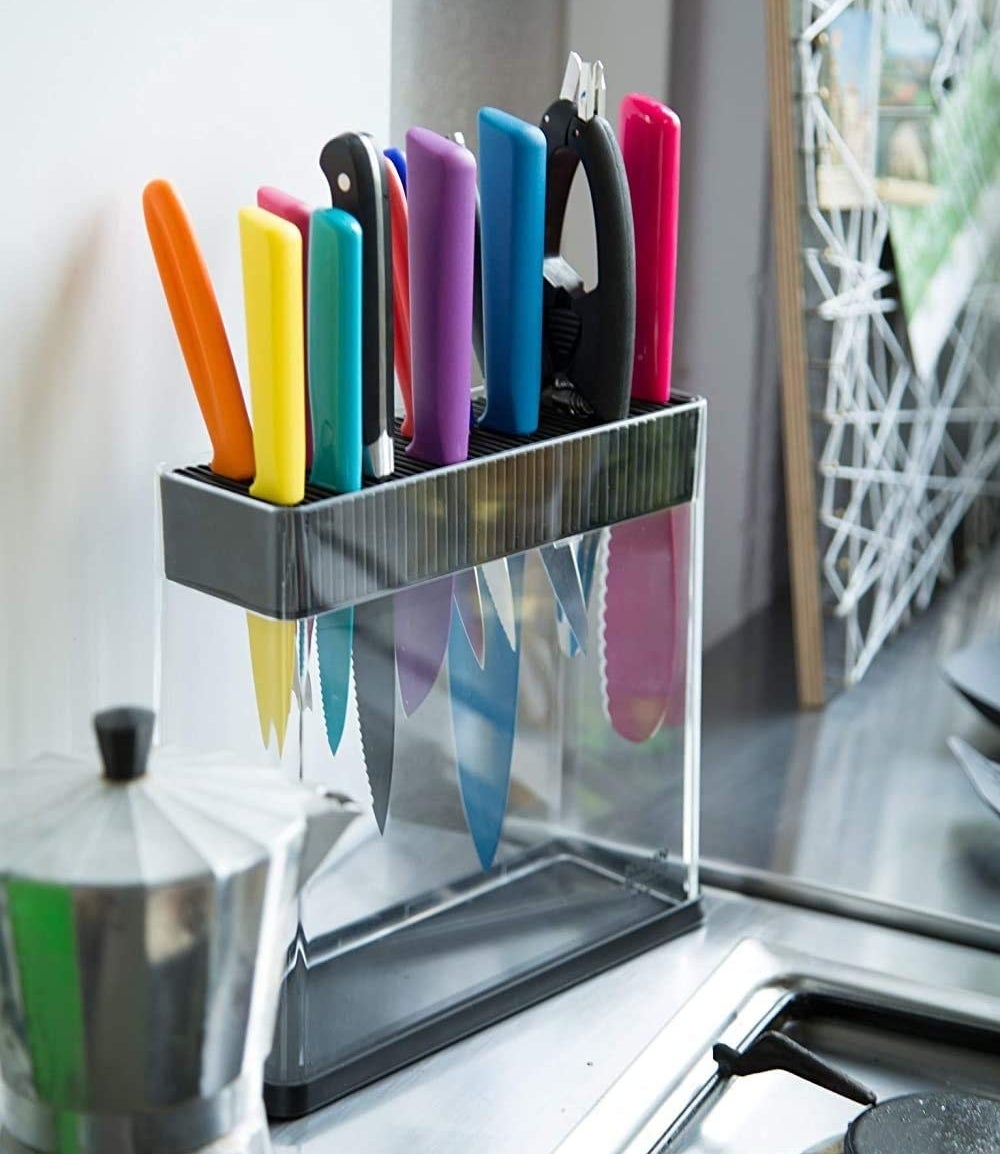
point(334, 638)
point(375, 687)
point(334, 306)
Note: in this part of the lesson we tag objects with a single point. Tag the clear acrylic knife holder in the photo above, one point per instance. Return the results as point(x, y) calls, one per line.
point(501, 660)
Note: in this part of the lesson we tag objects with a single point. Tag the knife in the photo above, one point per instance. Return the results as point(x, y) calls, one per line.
point(272, 288)
point(200, 330)
point(589, 336)
point(441, 183)
point(271, 250)
point(650, 133)
point(513, 166)
point(335, 350)
point(397, 158)
point(356, 173)
point(401, 293)
point(645, 597)
point(422, 614)
point(209, 358)
point(512, 178)
point(494, 573)
point(335, 327)
point(483, 680)
point(469, 606)
point(477, 282)
point(484, 718)
point(296, 212)
point(272, 661)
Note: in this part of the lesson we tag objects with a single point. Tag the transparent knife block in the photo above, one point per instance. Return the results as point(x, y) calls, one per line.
point(414, 936)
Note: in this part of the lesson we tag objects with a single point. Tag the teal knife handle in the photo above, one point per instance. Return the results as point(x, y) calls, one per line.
point(335, 349)
point(512, 159)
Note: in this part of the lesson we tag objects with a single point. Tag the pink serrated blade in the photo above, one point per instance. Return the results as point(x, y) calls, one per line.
point(640, 625)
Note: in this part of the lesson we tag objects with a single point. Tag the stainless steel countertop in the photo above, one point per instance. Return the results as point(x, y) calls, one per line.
point(524, 1084)
point(864, 795)
point(861, 797)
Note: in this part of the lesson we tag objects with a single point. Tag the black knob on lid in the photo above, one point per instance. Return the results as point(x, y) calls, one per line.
point(124, 736)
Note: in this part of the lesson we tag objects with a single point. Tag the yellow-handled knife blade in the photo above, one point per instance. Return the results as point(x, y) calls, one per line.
point(272, 292)
point(272, 660)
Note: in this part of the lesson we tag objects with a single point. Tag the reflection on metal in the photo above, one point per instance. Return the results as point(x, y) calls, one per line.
point(142, 925)
point(649, 1106)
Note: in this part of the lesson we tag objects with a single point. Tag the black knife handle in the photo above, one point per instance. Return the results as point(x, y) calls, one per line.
point(355, 171)
point(589, 336)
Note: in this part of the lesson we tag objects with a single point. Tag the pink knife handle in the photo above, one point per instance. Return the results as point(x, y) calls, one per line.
point(299, 213)
point(650, 135)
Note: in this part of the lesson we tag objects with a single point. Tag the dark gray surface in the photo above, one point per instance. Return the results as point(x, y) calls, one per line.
point(524, 1084)
point(512, 494)
point(863, 795)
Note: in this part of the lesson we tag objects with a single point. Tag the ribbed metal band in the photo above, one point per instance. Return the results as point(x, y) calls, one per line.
point(236, 1113)
point(514, 494)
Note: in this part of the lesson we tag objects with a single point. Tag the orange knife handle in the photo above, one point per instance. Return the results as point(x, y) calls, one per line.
point(401, 293)
point(200, 330)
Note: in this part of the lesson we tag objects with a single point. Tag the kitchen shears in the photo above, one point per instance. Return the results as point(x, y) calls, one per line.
point(588, 337)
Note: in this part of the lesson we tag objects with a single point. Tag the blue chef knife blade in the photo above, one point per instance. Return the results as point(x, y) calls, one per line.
point(484, 717)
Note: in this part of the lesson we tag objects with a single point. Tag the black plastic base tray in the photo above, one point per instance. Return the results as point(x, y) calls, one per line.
point(563, 913)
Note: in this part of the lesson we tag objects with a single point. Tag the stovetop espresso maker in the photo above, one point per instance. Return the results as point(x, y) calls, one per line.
point(142, 920)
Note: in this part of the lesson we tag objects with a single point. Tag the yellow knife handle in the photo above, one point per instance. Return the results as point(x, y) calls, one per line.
point(272, 293)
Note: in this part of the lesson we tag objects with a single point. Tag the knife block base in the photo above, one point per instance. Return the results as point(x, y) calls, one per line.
point(560, 914)
point(501, 662)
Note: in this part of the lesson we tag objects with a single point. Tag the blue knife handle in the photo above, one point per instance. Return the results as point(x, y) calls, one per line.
point(335, 365)
point(397, 158)
point(512, 159)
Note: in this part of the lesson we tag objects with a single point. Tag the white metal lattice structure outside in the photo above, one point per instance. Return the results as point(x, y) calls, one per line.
point(903, 463)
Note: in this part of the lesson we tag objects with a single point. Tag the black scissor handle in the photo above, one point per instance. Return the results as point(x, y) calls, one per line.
point(589, 337)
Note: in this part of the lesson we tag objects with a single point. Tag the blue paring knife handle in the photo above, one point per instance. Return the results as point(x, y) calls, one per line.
point(512, 161)
point(335, 367)
point(397, 158)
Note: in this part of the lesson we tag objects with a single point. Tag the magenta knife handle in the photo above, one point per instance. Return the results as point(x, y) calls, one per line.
point(441, 197)
point(650, 135)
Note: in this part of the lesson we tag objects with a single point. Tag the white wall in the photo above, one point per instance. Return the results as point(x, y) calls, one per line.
point(219, 96)
point(451, 57)
point(633, 42)
point(725, 343)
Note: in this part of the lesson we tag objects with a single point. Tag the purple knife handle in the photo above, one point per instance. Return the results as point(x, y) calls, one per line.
point(441, 198)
